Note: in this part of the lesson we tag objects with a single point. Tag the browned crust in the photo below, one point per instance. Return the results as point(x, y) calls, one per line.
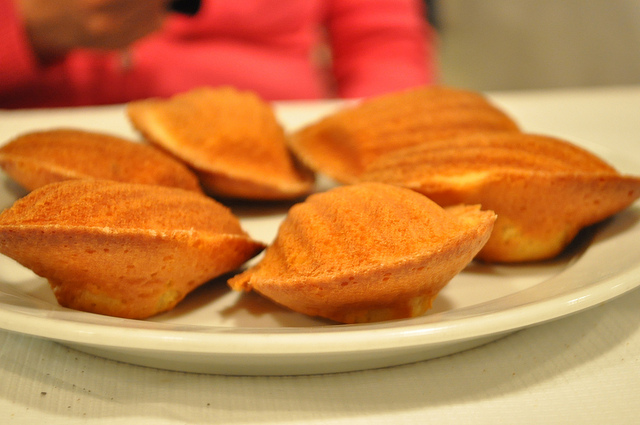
point(342, 144)
point(122, 249)
point(231, 138)
point(38, 158)
point(387, 261)
point(544, 189)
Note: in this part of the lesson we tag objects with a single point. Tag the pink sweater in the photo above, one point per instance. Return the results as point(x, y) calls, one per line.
point(269, 46)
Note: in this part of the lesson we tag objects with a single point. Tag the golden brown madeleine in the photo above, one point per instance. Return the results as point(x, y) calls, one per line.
point(543, 189)
point(43, 157)
point(342, 144)
point(232, 140)
point(119, 249)
point(366, 252)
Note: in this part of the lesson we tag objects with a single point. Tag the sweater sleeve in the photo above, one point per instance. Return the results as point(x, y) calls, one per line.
point(18, 64)
point(379, 46)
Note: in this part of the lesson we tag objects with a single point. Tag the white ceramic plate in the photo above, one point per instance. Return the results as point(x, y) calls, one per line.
point(218, 331)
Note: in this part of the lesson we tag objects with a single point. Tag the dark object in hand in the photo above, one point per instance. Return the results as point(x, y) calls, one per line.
point(186, 7)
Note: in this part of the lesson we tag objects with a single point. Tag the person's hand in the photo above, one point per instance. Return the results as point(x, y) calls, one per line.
point(56, 27)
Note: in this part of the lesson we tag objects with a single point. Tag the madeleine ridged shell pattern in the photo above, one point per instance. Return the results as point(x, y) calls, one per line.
point(126, 250)
point(543, 189)
point(342, 144)
point(366, 252)
point(42, 157)
point(231, 138)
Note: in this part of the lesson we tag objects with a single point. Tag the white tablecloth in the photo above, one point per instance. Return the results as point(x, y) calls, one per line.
point(581, 369)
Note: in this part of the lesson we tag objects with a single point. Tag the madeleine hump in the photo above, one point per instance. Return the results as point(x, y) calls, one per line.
point(120, 249)
point(366, 252)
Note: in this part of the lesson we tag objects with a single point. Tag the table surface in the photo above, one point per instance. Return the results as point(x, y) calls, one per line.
point(584, 368)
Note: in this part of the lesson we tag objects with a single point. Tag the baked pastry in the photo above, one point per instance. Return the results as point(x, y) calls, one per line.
point(342, 144)
point(366, 252)
point(543, 189)
point(42, 157)
point(232, 140)
point(120, 249)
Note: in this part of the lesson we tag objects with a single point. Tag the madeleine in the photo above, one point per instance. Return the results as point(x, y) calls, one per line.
point(231, 138)
point(365, 253)
point(543, 189)
point(119, 249)
point(42, 157)
point(342, 144)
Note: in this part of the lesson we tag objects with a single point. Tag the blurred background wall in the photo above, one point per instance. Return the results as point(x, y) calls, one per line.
point(529, 44)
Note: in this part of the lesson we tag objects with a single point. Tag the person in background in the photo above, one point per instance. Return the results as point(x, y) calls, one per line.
point(92, 52)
